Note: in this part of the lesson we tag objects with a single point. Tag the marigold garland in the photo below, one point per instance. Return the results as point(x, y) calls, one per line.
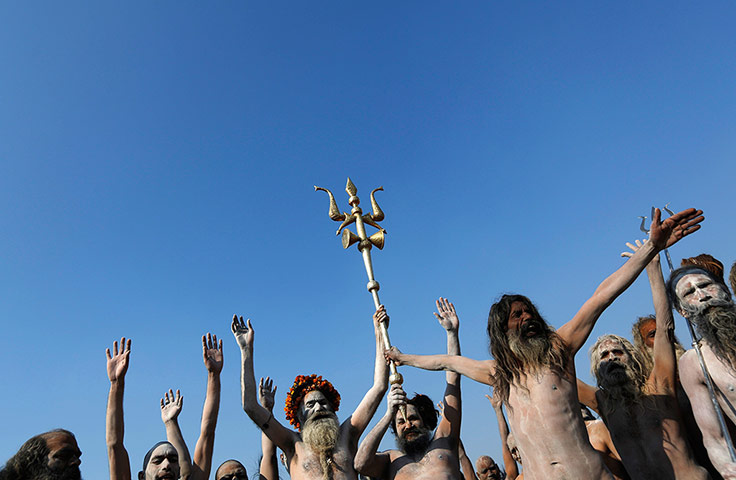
point(304, 384)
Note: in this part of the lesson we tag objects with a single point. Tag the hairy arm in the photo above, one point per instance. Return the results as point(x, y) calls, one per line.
point(367, 408)
point(117, 366)
point(269, 467)
point(367, 461)
point(478, 370)
point(691, 378)
point(661, 235)
point(282, 437)
point(213, 361)
point(170, 409)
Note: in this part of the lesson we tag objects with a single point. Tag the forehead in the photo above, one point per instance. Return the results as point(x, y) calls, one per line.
point(57, 441)
point(314, 395)
point(691, 279)
point(164, 450)
point(229, 468)
point(518, 305)
point(609, 344)
point(483, 463)
point(648, 325)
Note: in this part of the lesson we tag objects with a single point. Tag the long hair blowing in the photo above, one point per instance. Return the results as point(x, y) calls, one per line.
point(31, 459)
point(632, 393)
point(509, 367)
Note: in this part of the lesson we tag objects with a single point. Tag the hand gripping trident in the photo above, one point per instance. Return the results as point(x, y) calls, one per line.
point(365, 244)
point(701, 360)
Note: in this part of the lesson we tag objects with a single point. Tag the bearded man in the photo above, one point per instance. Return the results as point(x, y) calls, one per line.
point(52, 455)
point(704, 301)
point(423, 451)
point(322, 448)
point(533, 370)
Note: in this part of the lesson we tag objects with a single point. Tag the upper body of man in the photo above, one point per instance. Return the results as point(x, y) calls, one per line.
point(705, 302)
point(322, 448)
point(533, 370)
point(487, 469)
point(165, 460)
point(52, 455)
point(421, 453)
point(641, 411)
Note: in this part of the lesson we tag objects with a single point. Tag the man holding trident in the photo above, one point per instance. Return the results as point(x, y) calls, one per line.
point(322, 449)
point(533, 371)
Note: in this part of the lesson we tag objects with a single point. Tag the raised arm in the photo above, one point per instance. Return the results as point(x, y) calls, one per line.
point(170, 409)
point(117, 367)
point(465, 464)
point(213, 361)
point(664, 373)
point(478, 370)
point(269, 467)
point(367, 461)
point(509, 464)
point(367, 408)
point(450, 423)
point(282, 437)
point(661, 235)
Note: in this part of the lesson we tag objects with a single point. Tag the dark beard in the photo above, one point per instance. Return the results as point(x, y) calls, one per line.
point(418, 445)
point(532, 351)
point(717, 326)
point(68, 473)
point(619, 385)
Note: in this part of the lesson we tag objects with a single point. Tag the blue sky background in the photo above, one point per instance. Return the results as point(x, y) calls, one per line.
point(157, 161)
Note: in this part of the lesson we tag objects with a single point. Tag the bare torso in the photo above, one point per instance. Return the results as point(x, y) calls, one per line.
point(440, 462)
point(546, 422)
point(651, 438)
point(305, 463)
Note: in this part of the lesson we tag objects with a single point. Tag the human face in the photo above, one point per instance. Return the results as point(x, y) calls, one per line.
point(64, 452)
point(697, 291)
point(232, 471)
point(486, 469)
point(164, 463)
point(518, 318)
point(412, 427)
point(314, 405)
point(647, 330)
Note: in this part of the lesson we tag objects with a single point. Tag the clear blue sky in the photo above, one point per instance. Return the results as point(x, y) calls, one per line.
point(157, 162)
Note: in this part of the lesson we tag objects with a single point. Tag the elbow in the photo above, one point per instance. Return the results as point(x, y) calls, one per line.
point(360, 463)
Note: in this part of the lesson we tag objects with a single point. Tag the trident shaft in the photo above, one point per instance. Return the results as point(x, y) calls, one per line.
point(701, 360)
point(365, 244)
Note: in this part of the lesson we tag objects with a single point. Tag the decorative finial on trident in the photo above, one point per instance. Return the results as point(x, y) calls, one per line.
point(365, 244)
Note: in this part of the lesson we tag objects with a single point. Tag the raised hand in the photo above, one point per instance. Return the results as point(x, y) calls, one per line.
point(266, 393)
point(380, 316)
point(446, 315)
point(495, 401)
point(171, 406)
point(665, 234)
point(396, 398)
point(635, 248)
point(117, 363)
point(243, 333)
point(212, 353)
point(393, 354)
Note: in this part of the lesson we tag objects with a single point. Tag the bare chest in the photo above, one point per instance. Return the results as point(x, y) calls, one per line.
point(440, 462)
point(310, 465)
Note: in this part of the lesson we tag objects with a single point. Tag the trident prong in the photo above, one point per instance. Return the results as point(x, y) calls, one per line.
point(365, 244)
point(642, 227)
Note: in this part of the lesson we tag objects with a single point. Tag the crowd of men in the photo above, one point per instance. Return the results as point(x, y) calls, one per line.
point(659, 416)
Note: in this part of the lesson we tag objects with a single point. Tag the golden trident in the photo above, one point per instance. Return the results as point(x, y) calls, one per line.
point(365, 243)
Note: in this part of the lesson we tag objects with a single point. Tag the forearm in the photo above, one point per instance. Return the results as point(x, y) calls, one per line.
point(118, 460)
point(480, 371)
point(465, 464)
point(453, 348)
point(365, 458)
point(206, 442)
point(269, 467)
point(622, 278)
point(662, 310)
point(380, 367)
point(174, 436)
point(248, 390)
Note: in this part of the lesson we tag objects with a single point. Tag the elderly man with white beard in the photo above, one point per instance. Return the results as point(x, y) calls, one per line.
point(640, 409)
point(322, 449)
point(705, 302)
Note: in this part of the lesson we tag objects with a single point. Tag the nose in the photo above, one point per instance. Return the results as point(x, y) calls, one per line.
point(702, 295)
point(77, 461)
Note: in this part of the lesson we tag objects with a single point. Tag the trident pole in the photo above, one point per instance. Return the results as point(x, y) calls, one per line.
point(365, 244)
point(696, 345)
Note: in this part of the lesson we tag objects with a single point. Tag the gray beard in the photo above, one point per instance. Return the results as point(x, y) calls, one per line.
point(717, 326)
point(320, 434)
point(533, 352)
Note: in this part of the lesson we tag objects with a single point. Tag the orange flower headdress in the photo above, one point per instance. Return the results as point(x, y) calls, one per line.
point(304, 384)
